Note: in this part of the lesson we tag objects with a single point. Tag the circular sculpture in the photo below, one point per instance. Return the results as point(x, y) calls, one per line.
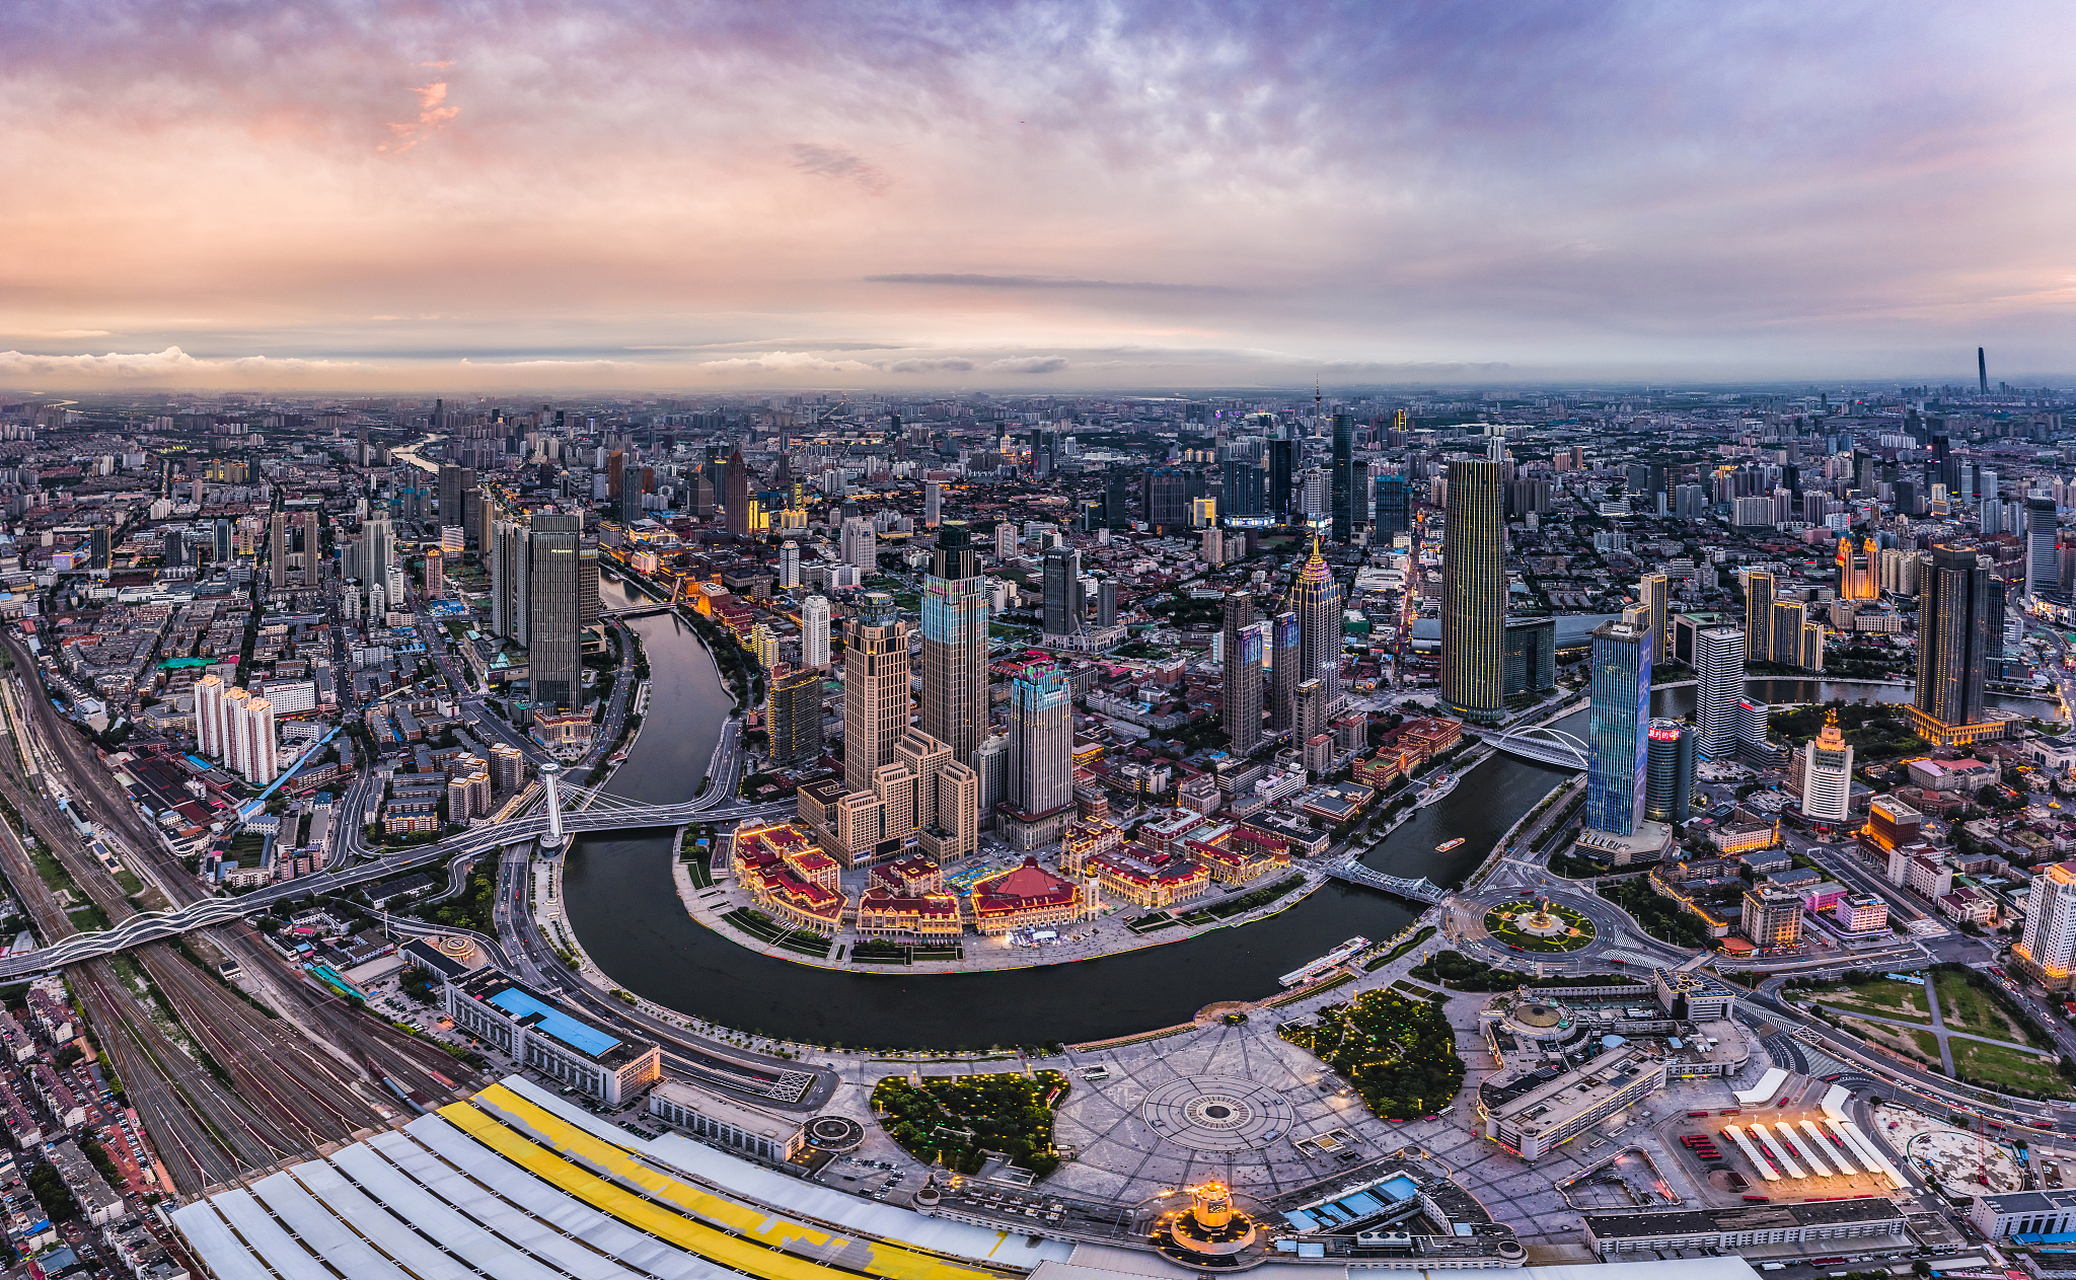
point(1538, 926)
point(1218, 1113)
point(834, 1133)
point(1211, 1234)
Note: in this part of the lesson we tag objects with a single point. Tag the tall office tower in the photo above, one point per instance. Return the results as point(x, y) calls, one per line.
point(1244, 494)
point(630, 501)
point(991, 762)
point(277, 549)
point(2047, 948)
point(554, 612)
point(1283, 459)
point(454, 482)
point(1719, 668)
point(2043, 569)
point(1786, 639)
point(789, 565)
point(510, 566)
point(1005, 539)
point(1346, 514)
point(1286, 645)
point(735, 493)
point(1758, 617)
point(1954, 638)
point(1654, 593)
point(209, 703)
point(860, 545)
point(814, 632)
point(311, 524)
point(933, 503)
point(1316, 599)
point(1041, 744)
point(1827, 773)
point(1117, 497)
point(1474, 593)
point(1106, 603)
point(587, 582)
point(1669, 772)
point(435, 573)
point(1166, 493)
point(377, 550)
point(1393, 515)
point(1982, 371)
point(1242, 706)
point(875, 688)
point(1312, 712)
point(796, 715)
point(1617, 767)
point(173, 548)
point(955, 644)
point(1062, 591)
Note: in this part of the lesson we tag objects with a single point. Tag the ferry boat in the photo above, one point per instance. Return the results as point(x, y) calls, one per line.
point(1333, 959)
point(1444, 848)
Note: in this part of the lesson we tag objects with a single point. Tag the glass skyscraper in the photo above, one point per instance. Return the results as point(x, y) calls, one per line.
point(554, 654)
point(1619, 736)
point(1393, 514)
point(1956, 633)
point(955, 644)
point(1242, 704)
point(1342, 492)
point(1719, 668)
point(1316, 599)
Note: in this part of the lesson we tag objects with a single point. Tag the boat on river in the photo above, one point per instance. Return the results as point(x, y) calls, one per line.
point(1332, 960)
point(1448, 845)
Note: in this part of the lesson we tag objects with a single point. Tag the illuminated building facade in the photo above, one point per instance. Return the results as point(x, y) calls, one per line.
point(1242, 697)
point(1758, 617)
point(1827, 773)
point(2047, 949)
point(955, 644)
point(875, 688)
point(1316, 599)
point(1954, 637)
point(1474, 593)
point(1620, 724)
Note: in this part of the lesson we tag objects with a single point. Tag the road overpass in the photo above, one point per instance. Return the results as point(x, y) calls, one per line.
point(604, 813)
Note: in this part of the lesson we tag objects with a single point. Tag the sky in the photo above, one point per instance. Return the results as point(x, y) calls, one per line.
point(902, 195)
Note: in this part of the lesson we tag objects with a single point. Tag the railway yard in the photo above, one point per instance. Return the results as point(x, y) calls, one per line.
point(224, 1081)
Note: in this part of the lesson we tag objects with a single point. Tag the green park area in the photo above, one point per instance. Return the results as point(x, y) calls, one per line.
point(2013, 1070)
point(1399, 1053)
point(1967, 1002)
point(951, 1120)
point(1881, 997)
point(1538, 926)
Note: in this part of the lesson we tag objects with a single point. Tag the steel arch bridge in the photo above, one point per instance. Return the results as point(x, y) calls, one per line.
point(1544, 745)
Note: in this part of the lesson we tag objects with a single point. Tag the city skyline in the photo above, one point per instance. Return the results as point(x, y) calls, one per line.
point(921, 196)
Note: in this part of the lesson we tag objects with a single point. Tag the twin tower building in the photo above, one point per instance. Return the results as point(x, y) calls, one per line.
point(930, 783)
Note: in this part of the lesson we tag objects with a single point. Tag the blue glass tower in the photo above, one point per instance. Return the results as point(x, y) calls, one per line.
point(1618, 769)
point(1393, 515)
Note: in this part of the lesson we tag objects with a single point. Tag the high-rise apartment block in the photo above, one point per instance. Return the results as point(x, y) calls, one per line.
point(875, 688)
point(814, 632)
point(2047, 948)
point(1719, 686)
point(1955, 634)
point(796, 715)
point(1041, 758)
point(1241, 710)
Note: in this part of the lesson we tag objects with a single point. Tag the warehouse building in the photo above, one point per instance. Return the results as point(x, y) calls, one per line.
point(1871, 1218)
point(535, 1031)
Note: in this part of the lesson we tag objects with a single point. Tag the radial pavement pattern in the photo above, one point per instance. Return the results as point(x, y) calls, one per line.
point(1218, 1113)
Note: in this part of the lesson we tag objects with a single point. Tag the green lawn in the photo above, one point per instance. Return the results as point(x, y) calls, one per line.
point(1899, 1000)
point(1967, 1009)
point(2007, 1069)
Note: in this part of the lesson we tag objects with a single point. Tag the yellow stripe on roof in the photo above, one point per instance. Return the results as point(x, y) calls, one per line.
point(584, 1152)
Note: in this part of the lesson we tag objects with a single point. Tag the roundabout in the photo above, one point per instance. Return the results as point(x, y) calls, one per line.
point(1218, 1114)
point(1540, 926)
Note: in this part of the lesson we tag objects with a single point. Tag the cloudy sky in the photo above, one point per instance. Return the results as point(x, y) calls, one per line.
point(719, 196)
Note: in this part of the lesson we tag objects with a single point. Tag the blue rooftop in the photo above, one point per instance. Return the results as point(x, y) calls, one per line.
point(575, 1034)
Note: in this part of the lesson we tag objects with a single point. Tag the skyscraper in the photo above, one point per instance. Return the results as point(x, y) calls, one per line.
point(1244, 495)
point(1062, 591)
point(1954, 639)
point(1165, 494)
point(796, 715)
point(554, 612)
point(789, 565)
point(1242, 706)
point(1041, 748)
point(1474, 593)
point(1719, 667)
point(1758, 617)
point(1286, 640)
point(377, 549)
point(510, 564)
point(1827, 773)
point(875, 688)
point(1106, 603)
point(277, 549)
point(1669, 782)
point(1654, 593)
point(1316, 599)
point(814, 632)
point(1283, 459)
point(1617, 767)
point(2043, 569)
point(311, 524)
point(1117, 496)
point(1346, 513)
point(933, 500)
point(1393, 514)
point(735, 493)
point(2047, 947)
point(955, 644)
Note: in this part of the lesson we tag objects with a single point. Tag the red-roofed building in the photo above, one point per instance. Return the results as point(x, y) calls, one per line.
point(882, 913)
point(788, 875)
point(1023, 897)
point(1150, 879)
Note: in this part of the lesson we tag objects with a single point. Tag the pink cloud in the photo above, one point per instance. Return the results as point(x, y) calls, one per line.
point(432, 116)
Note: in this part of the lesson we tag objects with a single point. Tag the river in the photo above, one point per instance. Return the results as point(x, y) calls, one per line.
point(624, 905)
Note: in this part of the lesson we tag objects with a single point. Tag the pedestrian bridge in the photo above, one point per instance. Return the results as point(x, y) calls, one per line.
point(1541, 744)
point(1354, 872)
